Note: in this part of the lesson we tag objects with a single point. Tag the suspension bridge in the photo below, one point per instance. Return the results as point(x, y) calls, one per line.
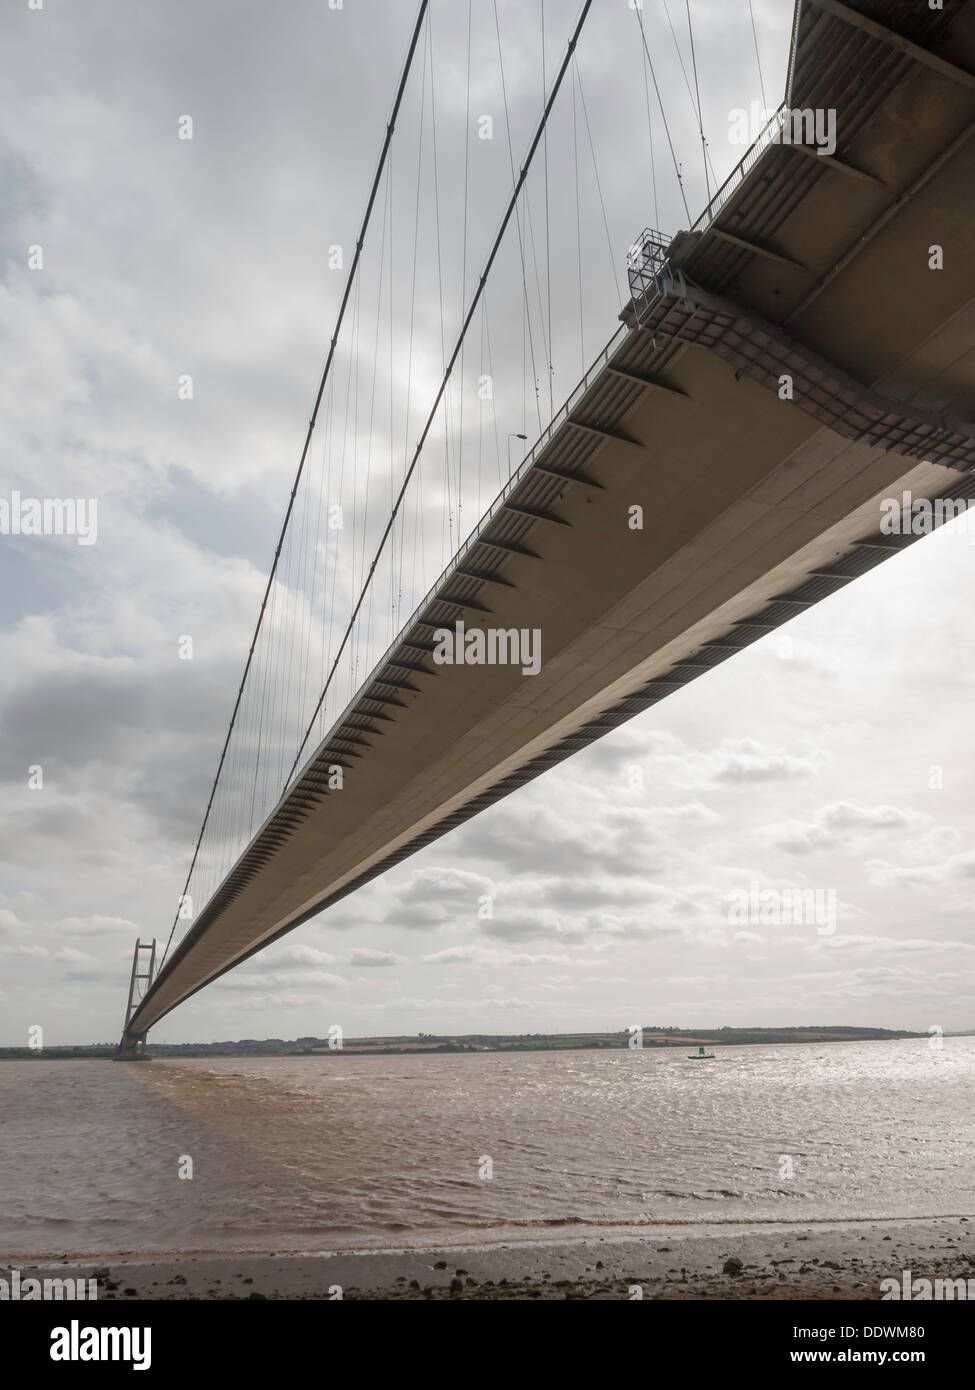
point(802, 351)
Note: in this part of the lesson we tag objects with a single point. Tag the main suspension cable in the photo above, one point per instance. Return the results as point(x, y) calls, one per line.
point(512, 203)
point(353, 268)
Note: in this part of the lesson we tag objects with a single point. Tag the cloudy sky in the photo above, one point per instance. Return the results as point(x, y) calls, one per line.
point(835, 756)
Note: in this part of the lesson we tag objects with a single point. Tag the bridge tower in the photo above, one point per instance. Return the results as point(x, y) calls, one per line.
point(132, 1047)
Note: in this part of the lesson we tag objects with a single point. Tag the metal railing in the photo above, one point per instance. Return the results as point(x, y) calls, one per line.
point(768, 136)
point(647, 257)
point(645, 261)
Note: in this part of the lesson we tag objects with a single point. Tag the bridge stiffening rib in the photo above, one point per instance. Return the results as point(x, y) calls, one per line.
point(483, 578)
point(415, 647)
point(535, 513)
point(757, 249)
point(384, 699)
point(600, 432)
point(395, 684)
point(890, 36)
point(509, 546)
point(649, 382)
point(840, 165)
point(567, 476)
point(459, 602)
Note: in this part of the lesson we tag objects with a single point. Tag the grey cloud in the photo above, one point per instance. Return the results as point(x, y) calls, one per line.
point(368, 956)
point(841, 824)
point(750, 762)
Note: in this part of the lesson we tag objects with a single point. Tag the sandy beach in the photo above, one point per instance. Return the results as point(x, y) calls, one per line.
point(836, 1260)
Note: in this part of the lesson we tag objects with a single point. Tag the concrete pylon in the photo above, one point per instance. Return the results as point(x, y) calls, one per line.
point(132, 1046)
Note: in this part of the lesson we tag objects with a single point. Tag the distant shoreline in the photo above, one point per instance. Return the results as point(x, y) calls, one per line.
point(440, 1044)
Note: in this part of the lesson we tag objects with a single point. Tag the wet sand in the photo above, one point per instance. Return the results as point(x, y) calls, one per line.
point(839, 1260)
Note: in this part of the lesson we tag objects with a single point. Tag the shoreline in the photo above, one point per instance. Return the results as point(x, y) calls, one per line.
point(829, 1260)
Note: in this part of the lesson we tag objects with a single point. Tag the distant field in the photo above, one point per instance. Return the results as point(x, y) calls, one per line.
point(478, 1042)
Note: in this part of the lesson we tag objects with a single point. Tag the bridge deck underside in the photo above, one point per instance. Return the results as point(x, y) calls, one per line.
point(753, 510)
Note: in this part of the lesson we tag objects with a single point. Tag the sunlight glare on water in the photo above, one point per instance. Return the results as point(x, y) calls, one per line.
point(332, 1152)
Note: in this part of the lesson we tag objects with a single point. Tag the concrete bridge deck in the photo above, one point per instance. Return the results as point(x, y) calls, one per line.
point(754, 507)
